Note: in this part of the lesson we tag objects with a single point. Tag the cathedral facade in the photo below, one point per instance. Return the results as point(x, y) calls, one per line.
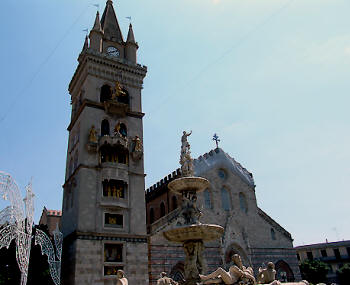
point(229, 202)
point(104, 200)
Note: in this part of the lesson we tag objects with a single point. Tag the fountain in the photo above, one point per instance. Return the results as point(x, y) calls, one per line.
point(189, 231)
point(191, 234)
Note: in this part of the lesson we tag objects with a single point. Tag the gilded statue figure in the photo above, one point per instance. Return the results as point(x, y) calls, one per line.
point(121, 279)
point(93, 135)
point(236, 273)
point(165, 280)
point(118, 91)
point(137, 144)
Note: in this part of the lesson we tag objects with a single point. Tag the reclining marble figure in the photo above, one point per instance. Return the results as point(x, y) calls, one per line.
point(237, 273)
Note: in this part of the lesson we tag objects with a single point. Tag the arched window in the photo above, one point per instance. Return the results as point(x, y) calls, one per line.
point(207, 199)
point(151, 216)
point(225, 199)
point(124, 98)
point(162, 209)
point(106, 93)
point(105, 128)
point(243, 203)
point(121, 129)
point(273, 234)
point(174, 202)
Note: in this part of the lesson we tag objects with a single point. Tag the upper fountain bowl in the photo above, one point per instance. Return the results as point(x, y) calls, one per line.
point(205, 232)
point(197, 184)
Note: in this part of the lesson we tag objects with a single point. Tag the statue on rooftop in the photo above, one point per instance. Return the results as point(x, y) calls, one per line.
point(237, 273)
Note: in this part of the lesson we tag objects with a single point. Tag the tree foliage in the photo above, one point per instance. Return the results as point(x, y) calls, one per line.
point(344, 274)
point(314, 271)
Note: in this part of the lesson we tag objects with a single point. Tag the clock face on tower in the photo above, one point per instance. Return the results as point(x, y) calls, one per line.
point(113, 51)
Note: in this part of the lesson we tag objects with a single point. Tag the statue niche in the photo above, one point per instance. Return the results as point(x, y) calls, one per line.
point(118, 100)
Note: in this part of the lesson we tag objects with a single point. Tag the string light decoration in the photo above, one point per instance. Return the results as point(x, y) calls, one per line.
point(19, 221)
point(18, 225)
point(44, 241)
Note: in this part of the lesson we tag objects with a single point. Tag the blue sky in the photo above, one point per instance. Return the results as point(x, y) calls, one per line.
point(271, 77)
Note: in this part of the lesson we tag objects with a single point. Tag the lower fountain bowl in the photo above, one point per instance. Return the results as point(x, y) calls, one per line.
point(205, 232)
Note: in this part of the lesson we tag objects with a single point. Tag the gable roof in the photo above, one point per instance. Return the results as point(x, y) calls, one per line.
point(218, 158)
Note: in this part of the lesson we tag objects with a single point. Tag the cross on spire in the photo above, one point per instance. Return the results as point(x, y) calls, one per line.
point(216, 139)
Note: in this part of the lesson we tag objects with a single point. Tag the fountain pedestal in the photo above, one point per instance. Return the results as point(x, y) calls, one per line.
point(189, 231)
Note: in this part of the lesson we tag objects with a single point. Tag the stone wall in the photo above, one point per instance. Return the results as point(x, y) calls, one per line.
point(87, 268)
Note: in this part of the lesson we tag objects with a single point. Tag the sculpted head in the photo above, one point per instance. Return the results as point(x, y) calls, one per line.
point(237, 260)
point(163, 274)
point(120, 273)
point(270, 266)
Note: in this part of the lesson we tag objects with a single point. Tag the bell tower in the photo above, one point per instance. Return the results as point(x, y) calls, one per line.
point(103, 219)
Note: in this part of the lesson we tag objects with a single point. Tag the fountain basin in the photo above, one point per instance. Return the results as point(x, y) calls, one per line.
point(196, 184)
point(205, 232)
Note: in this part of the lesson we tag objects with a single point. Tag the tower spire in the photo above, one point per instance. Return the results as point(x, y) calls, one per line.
point(110, 24)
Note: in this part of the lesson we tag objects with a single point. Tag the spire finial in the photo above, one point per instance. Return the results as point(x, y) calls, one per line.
point(216, 139)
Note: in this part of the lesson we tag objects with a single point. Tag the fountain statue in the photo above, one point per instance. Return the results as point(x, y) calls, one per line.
point(237, 273)
point(188, 230)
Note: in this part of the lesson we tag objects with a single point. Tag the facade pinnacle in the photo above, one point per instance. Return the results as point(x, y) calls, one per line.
point(131, 38)
point(97, 25)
